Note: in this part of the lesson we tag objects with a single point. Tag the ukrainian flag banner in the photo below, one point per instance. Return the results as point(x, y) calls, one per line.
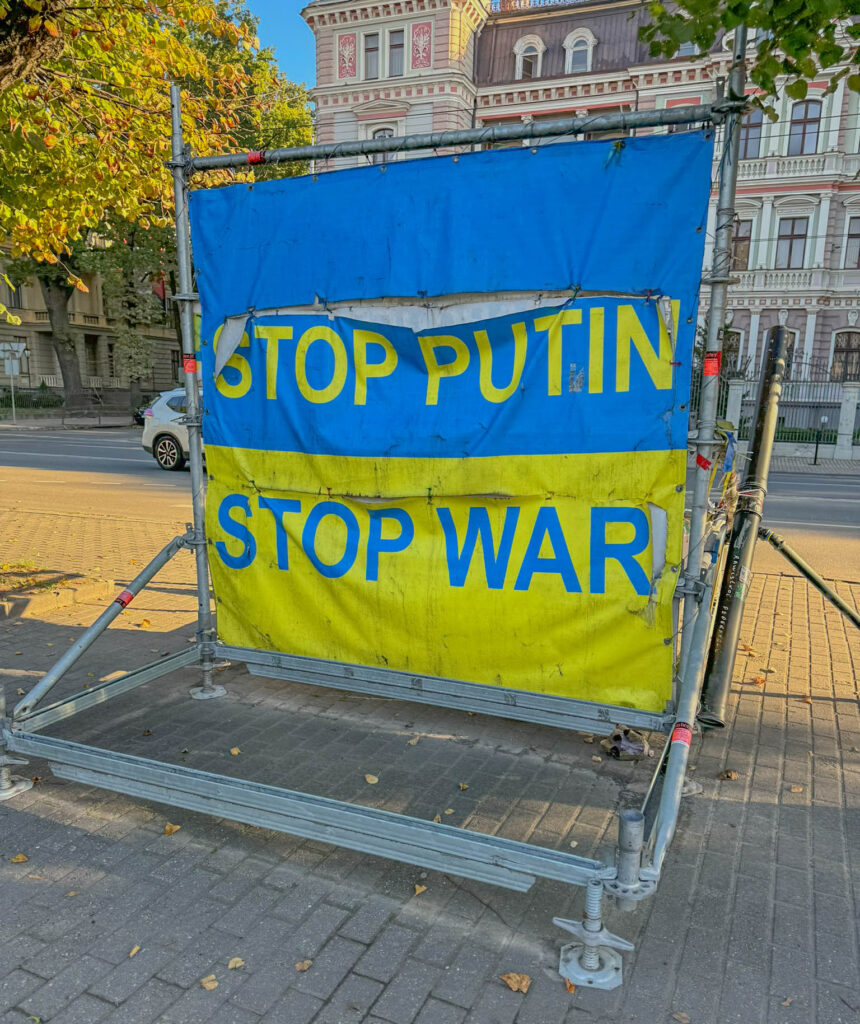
point(446, 412)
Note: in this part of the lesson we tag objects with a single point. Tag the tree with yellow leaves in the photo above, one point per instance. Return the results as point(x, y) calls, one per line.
point(85, 121)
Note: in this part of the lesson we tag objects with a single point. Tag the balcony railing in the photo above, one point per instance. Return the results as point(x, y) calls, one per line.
point(794, 280)
point(814, 165)
point(503, 6)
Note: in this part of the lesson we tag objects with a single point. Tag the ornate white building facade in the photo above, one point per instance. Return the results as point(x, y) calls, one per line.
point(407, 66)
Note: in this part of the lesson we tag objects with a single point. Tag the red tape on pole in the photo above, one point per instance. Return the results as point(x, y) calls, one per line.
point(189, 364)
point(682, 733)
point(703, 463)
point(712, 364)
point(126, 597)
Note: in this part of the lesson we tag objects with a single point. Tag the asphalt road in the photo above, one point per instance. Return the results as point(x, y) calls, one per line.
point(107, 472)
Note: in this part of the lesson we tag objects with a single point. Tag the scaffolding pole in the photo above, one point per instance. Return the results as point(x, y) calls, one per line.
point(186, 299)
point(719, 281)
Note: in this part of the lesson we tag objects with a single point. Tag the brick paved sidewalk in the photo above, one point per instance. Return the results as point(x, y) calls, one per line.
point(755, 919)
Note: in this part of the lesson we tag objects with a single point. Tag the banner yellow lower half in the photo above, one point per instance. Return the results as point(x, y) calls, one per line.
point(540, 573)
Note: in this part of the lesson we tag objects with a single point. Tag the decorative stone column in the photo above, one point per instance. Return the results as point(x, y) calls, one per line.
point(847, 416)
point(735, 401)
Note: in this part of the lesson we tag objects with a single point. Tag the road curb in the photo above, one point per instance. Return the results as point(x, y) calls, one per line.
point(67, 592)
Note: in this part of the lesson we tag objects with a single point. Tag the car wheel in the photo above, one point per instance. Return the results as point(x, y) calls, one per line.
point(167, 452)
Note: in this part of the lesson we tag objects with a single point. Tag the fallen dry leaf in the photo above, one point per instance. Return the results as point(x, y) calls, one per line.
point(464, 785)
point(681, 1017)
point(38, 878)
point(20, 692)
point(759, 680)
point(419, 889)
point(36, 780)
point(437, 818)
point(797, 789)
point(449, 810)
point(371, 780)
point(748, 650)
point(729, 775)
point(303, 965)
point(209, 982)
point(516, 982)
point(235, 963)
point(235, 751)
point(413, 741)
point(787, 1001)
point(134, 951)
point(145, 623)
point(72, 892)
point(596, 758)
point(768, 671)
point(146, 732)
point(805, 700)
point(19, 858)
point(588, 738)
point(170, 830)
point(569, 985)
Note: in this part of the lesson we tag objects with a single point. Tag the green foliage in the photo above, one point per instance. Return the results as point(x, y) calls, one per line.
point(793, 39)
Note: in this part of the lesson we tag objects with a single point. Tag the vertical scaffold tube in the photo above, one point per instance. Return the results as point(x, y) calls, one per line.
point(205, 623)
point(719, 281)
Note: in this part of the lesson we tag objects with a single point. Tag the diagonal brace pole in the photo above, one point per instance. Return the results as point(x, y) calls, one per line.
point(84, 642)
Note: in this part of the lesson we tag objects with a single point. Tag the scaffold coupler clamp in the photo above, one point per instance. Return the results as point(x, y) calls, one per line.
point(11, 785)
point(593, 960)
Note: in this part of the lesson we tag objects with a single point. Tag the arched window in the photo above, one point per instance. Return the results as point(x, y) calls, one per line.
point(803, 133)
point(846, 356)
point(381, 133)
point(751, 135)
point(528, 52)
point(578, 51)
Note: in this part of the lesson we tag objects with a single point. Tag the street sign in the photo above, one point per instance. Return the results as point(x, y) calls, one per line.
point(12, 349)
point(11, 367)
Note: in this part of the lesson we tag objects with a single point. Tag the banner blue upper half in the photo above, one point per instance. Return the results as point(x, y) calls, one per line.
point(625, 216)
point(594, 375)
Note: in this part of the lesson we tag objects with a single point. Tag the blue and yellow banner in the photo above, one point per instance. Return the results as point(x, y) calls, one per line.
point(493, 494)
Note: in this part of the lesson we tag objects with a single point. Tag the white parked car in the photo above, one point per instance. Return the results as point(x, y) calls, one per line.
point(165, 435)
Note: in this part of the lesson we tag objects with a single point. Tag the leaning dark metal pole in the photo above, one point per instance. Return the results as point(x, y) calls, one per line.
point(736, 580)
point(186, 299)
point(778, 542)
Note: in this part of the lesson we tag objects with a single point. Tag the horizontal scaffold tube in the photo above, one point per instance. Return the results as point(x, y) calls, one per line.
point(468, 136)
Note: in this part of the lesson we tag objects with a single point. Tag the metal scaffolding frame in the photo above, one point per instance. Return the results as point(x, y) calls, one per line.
point(644, 834)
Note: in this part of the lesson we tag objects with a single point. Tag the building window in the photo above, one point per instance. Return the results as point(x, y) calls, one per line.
point(529, 63)
point(741, 245)
point(688, 49)
point(578, 51)
point(381, 133)
point(731, 349)
point(395, 53)
point(10, 296)
point(852, 244)
point(528, 52)
point(803, 133)
point(791, 242)
point(751, 135)
point(371, 55)
point(846, 356)
point(91, 354)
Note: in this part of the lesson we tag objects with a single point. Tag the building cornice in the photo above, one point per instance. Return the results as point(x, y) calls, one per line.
point(338, 13)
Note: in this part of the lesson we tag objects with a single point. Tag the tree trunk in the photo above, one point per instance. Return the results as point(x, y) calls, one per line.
point(57, 295)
